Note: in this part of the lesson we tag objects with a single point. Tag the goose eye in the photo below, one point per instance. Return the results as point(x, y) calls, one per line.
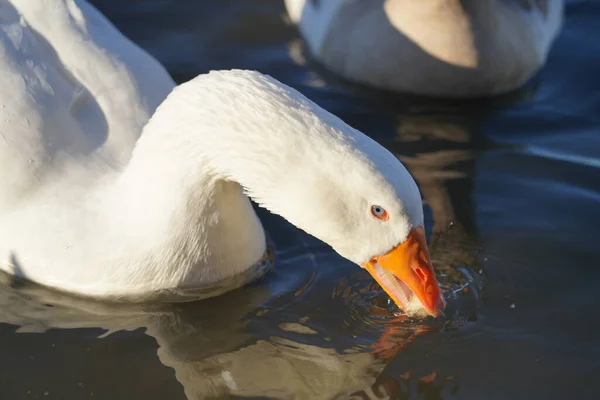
point(379, 213)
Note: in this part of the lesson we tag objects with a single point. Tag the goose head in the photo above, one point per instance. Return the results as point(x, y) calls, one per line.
point(301, 162)
point(364, 203)
point(356, 196)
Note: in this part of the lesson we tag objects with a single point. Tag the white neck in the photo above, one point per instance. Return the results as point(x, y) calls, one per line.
point(177, 217)
point(182, 201)
point(194, 162)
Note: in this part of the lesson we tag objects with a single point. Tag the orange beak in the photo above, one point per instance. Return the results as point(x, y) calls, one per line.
point(406, 274)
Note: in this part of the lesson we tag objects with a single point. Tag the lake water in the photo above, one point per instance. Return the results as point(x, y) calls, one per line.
point(512, 193)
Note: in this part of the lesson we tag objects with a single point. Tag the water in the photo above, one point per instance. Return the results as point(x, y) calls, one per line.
point(512, 194)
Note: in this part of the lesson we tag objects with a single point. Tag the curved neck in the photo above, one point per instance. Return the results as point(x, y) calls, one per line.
point(193, 156)
point(195, 162)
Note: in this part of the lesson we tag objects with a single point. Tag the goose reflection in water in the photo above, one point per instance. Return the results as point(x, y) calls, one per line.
point(210, 344)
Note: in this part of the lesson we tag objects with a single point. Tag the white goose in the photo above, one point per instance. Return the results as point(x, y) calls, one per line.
point(450, 48)
point(86, 207)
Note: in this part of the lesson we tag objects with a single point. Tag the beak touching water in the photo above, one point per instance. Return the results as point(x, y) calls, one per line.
point(406, 274)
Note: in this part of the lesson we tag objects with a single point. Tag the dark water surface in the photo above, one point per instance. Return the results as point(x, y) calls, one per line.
point(512, 193)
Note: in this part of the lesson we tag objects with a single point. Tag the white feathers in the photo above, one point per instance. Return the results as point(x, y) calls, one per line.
point(314, 18)
point(434, 47)
point(289, 155)
point(86, 212)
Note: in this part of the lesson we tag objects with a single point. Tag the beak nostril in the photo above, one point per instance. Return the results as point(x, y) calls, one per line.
point(420, 274)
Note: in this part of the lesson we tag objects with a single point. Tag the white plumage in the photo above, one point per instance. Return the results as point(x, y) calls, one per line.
point(450, 48)
point(88, 208)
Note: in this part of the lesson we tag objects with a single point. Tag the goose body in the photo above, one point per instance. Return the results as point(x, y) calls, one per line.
point(448, 48)
point(99, 199)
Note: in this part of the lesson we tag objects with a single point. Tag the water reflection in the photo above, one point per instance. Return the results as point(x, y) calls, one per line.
point(210, 345)
point(440, 150)
point(206, 343)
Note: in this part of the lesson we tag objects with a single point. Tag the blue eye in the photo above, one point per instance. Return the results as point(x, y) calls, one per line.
point(379, 213)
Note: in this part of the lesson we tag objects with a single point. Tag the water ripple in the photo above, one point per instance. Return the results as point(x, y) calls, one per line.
point(593, 162)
